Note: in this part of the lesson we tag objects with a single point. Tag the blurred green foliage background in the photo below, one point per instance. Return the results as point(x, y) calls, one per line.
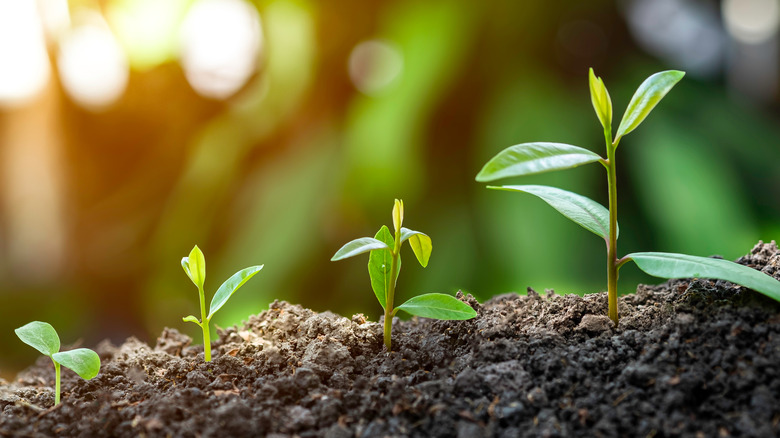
point(344, 105)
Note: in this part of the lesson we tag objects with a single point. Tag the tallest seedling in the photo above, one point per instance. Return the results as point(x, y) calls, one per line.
point(531, 158)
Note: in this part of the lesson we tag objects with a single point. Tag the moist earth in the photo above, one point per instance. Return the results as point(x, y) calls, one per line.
point(690, 357)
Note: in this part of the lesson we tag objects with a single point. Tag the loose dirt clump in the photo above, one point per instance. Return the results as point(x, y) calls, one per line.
point(690, 358)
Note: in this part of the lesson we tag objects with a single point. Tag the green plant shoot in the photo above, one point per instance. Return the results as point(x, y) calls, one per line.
point(42, 337)
point(532, 158)
point(195, 267)
point(384, 264)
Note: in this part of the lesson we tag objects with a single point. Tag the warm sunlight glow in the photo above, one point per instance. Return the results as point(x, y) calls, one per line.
point(147, 29)
point(24, 64)
point(220, 44)
point(374, 66)
point(751, 21)
point(92, 66)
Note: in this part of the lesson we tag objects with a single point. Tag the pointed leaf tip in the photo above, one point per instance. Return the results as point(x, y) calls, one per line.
point(646, 97)
point(398, 214)
point(600, 99)
point(230, 286)
point(195, 266)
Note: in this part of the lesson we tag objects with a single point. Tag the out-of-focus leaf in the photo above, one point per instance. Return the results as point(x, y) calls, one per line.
point(531, 158)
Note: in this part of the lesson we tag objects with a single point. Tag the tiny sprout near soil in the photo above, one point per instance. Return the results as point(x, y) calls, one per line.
point(532, 158)
point(384, 264)
point(195, 267)
point(42, 337)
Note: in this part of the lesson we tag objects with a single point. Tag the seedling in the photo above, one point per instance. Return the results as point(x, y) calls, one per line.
point(195, 267)
point(384, 264)
point(532, 158)
point(42, 337)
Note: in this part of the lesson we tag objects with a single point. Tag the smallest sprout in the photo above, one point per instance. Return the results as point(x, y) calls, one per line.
point(194, 266)
point(42, 337)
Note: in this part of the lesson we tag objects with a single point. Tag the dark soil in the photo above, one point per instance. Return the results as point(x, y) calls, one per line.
point(690, 358)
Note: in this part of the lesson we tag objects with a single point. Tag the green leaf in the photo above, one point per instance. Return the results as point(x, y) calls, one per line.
point(85, 362)
point(358, 246)
point(531, 158)
point(583, 211)
point(195, 266)
point(421, 244)
point(191, 319)
point(437, 306)
point(647, 96)
point(669, 265)
point(230, 286)
point(41, 336)
point(602, 103)
point(379, 261)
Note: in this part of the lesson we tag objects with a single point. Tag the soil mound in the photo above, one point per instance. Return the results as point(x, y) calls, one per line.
point(690, 358)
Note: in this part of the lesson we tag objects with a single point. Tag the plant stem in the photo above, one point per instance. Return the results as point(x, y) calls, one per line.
point(391, 290)
point(612, 260)
point(204, 325)
point(56, 382)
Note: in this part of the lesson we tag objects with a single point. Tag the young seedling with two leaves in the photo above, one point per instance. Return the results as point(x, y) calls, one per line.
point(195, 267)
point(532, 158)
point(42, 337)
point(384, 264)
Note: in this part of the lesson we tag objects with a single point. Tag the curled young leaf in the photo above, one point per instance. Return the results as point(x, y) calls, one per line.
point(230, 286)
point(671, 265)
point(358, 246)
point(195, 266)
point(532, 158)
point(85, 362)
point(591, 215)
point(602, 103)
point(421, 244)
point(40, 336)
point(646, 97)
point(437, 306)
point(191, 318)
point(398, 214)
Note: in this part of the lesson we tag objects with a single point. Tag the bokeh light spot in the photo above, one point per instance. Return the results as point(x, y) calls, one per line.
point(221, 41)
point(93, 68)
point(24, 63)
point(751, 21)
point(374, 66)
point(147, 29)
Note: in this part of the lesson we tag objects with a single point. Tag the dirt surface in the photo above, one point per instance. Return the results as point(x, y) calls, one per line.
point(690, 358)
